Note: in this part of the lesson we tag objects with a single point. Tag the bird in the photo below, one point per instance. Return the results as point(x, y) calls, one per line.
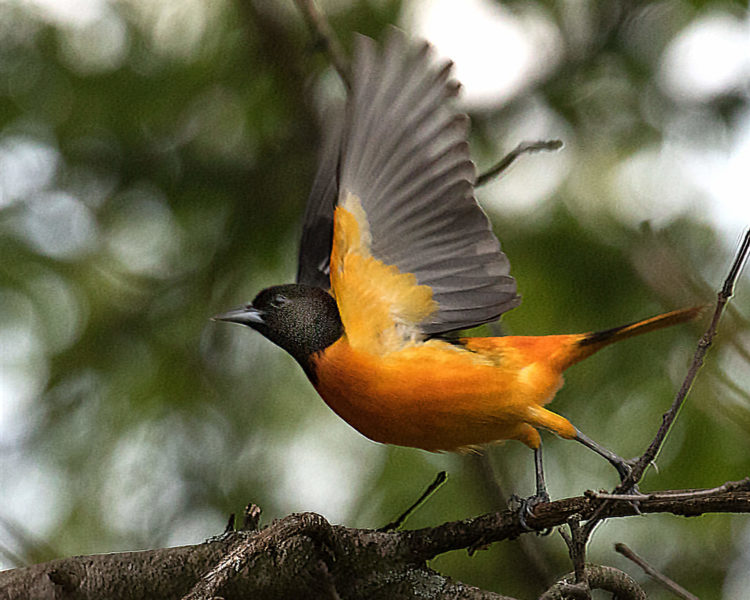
point(396, 258)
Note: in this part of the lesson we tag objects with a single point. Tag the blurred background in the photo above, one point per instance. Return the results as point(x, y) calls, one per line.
point(155, 158)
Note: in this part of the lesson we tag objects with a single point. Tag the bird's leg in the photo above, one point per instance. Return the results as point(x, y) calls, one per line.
point(541, 487)
point(527, 504)
point(619, 463)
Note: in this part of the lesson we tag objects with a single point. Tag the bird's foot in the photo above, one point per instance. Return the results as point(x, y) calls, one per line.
point(625, 468)
point(524, 508)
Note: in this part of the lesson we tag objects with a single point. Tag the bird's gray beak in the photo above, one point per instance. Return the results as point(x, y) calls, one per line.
point(246, 315)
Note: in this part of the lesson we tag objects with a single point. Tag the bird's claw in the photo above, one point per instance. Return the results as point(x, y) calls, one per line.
point(525, 508)
point(625, 469)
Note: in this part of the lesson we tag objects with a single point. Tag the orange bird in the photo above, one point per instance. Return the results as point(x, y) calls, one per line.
point(395, 255)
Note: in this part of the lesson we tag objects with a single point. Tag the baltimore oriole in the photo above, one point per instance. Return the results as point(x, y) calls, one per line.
point(396, 254)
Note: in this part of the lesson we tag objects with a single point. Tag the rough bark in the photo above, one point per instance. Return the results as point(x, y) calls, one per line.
point(303, 556)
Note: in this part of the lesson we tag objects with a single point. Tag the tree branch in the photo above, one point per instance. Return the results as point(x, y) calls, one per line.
point(622, 585)
point(668, 418)
point(665, 581)
point(323, 32)
point(576, 543)
point(303, 556)
point(705, 342)
point(438, 482)
point(494, 527)
point(729, 486)
point(510, 158)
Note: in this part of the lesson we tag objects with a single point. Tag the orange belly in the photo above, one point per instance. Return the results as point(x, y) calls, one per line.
point(438, 396)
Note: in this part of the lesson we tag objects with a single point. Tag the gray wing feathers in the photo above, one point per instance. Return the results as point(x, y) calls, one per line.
point(317, 230)
point(405, 155)
point(403, 152)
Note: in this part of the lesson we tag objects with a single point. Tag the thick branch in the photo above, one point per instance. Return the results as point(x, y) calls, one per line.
point(163, 573)
point(303, 556)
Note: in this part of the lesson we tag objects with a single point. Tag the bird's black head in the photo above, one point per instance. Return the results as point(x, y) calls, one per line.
point(299, 318)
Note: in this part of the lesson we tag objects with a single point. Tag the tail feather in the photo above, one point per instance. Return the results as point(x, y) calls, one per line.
point(589, 343)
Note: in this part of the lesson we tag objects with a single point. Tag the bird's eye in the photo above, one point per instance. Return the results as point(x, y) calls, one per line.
point(278, 301)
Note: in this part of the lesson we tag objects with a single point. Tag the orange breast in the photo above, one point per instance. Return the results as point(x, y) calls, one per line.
point(437, 396)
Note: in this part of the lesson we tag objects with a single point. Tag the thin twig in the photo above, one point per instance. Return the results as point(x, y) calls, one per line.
point(705, 342)
point(668, 418)
point(576, 543)
point(440, 479)
point(673, 587)
point(509, 159)
point(729, 486)
point(230, 524)
point(323, 32)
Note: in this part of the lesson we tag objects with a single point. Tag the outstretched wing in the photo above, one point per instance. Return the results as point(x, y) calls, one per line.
point(317, 232)
point(405, 175)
